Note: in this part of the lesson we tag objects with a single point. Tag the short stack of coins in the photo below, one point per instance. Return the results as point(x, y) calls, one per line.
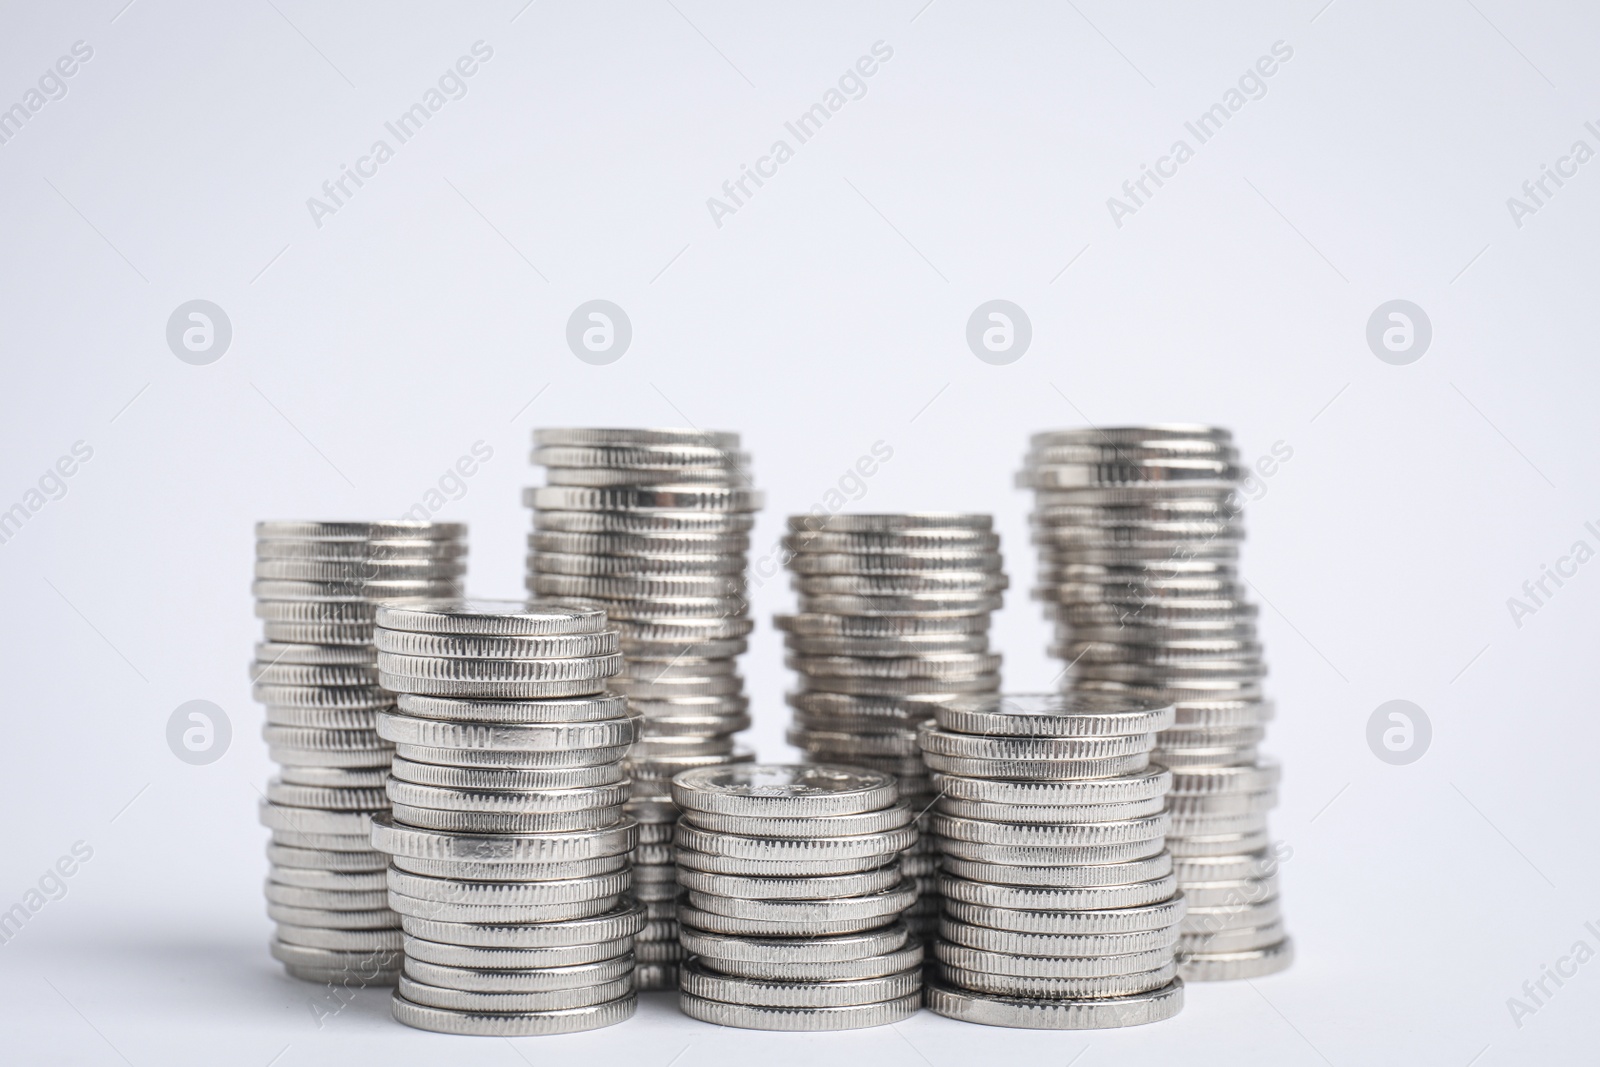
point(653, 526)
point(893, 620)
point(794, 895)
point(1060, 907)
point(507, 838)
point(1139, 529)
point(316, 584)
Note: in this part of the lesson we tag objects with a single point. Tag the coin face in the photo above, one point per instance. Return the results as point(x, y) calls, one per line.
point(784, 789)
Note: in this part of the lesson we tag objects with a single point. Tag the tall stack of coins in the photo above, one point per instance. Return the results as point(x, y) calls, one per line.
point(1139, 529)
point(1060, 908)
point(893, 621)
point(507, 838)
point(315, 587)
point(794, 896)
point(653, 526)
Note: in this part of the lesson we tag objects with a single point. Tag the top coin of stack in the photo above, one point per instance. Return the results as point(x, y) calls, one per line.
point(507, 834)
point(316, 585)
point(1060, 910)
point(653, 526)
point(794, 898)
point(1139, 530)
point(893, 621)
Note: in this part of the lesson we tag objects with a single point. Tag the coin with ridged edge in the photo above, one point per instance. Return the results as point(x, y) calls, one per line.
point(1056, 1014)
point(800, 1019)
point(513, 1024)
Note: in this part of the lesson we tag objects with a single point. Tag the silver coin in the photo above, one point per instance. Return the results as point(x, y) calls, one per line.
point(578, 976)
point(514, 779)
point(369, 940)
point(890, 523)
point(626, 920)
point(1057, 715)
point(797, 1018)
point(1047, 855)
point(487, 914)
point(475, 646)
point(325, 860)
point(860, 846)
point(1231, 966)
point(513, 1024)
point(1037, 770)
point(652, 498)
point(1050, 1014)
point(503, 618)
point(710, 922)
point(1007, 985)
point(508, 801)
point(318, 878)
point(881, 906)
point(325, 899)
point(909, 955)
point(585, 437)
point(940, 742)
point(502, 870)
point(783, 791)
point(1241, 939)
point(484, 958)
point(1080, 898)
point(951, 827)
point(516, 737)
point(589, 668)
point(356, 963)
point(701, 981)
point(292, 795)
point(880, 821)
point(1046, 813)
point(1148, 917)
point(526, 759)
point(505, 822)
point(589, 708)
point(394, 839)
point(624, 544)
point(842, 948)
point(808, 888)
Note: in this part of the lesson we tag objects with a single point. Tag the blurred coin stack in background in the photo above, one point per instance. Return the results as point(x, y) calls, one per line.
point(1139, 531)
point(654, 527)
point(1060, 908)
point(316, 584)
point(791, 919)
point(507, 837)
point(893, 620)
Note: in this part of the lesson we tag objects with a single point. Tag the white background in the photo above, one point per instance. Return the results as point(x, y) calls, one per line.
point(826, 314)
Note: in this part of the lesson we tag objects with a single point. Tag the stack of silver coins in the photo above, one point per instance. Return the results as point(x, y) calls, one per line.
point(1060, 908)
point(794, 895)
point(507, 837)
point(316, 584)
point(893, 620)
point(654, 527)
point(1139, 530)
